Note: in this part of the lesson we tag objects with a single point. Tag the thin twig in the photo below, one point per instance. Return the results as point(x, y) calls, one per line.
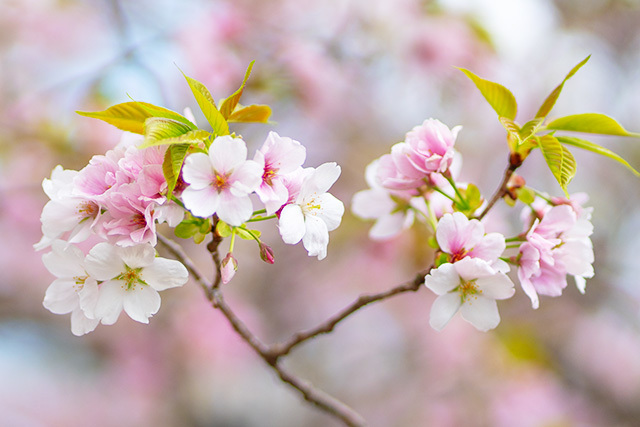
point(514, 163)
point(284, 348)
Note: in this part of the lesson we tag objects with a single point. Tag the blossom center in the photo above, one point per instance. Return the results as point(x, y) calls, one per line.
point(468, 289)
point(79, 282)
point(131, 278)
point(311, 207)
point(88, 209)
point(221, 181)
point(269, 174)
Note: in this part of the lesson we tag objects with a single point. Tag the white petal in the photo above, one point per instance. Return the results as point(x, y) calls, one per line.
point(321, 179)
point(110, 301)
point(164, 274)
point(89, 295)
point(64, 260)
point(141, 303)
point(103, 262)
point(246, 178)
point(473, 268)
point(481, 312)
point(81, 324)
point(331, 210)
point(372, 203)
point(227, 153)
point(498, 286)
point(202, 203)
point(490, 247)
point(316, 237)
point(61, 296)
point(291, 224)
point(137, 256)
point(234, 210)
point(198, 171)
point(442, 279)
point(528, 289)
point(443, 310)
point(388, 226)
point(581, 284)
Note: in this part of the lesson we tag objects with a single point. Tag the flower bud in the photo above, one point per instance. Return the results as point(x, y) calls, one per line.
point(228, 268)
point(266, 253)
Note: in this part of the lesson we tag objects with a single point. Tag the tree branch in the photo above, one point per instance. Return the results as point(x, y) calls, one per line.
point(515, 161)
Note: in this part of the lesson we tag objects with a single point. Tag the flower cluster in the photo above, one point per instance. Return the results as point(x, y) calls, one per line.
point(117, 201)
point(470, 273)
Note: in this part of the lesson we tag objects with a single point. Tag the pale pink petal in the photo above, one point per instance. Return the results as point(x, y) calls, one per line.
point(164, 274)
point(321, 180)
point(581, 284)
point(442, 279)
point(291, 224)
point(331, 210)
point(316, 237)
point(227, 153)
point(89, 295)
point(81, 324)
point(282, 153)
point(273, 196)
point(137, 256)
point(197, 171)
point(245, 178)
point(372, 203)
point(473, 268)
point(103, 262)
point(456, 233)
point(489, 248)
point(141, 303)
point(61, 296)
point(202, 203)
point(481, 312)
point(110, 301)
point(528, 289)
point(234, 210)
point(388, 226)
point(498, 286)
point(443, 310)
point(64, 260)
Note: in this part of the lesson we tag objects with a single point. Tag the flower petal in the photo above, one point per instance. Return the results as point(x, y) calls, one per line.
point(291, 224)
point(137, 256)
point(246, 178)
point(202, 203)
point(141, 303)
point(443, 310)
point(321, 179)
point(103, 262)
point(331, 210)
point(61, 296)
point(164, 274)
point(498, 286)
point(198, 171)
point(234, 210)
point(442, 279)
point(481, 312)
point(110, 301)
point(473, 268)
point(456, 233)
point(227, 153)
point(64, 260)
point(81, 324)
point(316, 237)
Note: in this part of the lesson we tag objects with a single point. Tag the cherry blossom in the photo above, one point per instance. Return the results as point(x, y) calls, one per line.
point(73, 291)
point(131, 278)
point(278, 156)
point(221, 181)
point(314, 212)
point(472, 286)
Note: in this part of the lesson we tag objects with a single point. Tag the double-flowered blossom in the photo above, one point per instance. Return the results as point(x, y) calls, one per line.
point(556, 245)
point(313, 212)
point(220, 182)
point(474, 276)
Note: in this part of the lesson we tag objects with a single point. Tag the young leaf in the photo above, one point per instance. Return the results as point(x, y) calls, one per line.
point(160, 128)
point(128, 116)
point(595, 148)
point(247, 234)
point(208, 106)
point(155, 111)
point(530, 128)
point(223, 229)
point(590, 123)
point(173, 159)
point(498, 96)
point(251, 114)
point(191, 137)
point(513, 132)
point(559, 159)
point(187, 229)
point(548, 103)
point(229, 104)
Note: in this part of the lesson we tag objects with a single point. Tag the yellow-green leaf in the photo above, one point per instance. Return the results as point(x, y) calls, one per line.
point(128, 116)
point(251, 114)
point(173, 159)
point(223, 229)
point(548, 103)
point(498, 96)
point(229, 104)
point(208, 106)
point(158, 129)
point(559, 159)
point(156, 111)
point(191, 137)
point(590, 123)
point(595, 148)
point(530, 128)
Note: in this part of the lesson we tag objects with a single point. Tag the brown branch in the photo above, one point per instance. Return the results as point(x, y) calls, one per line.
point(284, 348)
point(515, 161)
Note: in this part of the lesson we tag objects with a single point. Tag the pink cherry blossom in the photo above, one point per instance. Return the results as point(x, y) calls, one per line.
point(471, 286)
point(313, 213)
point(555, 246)
point(278, 156)
point(220, 182)
point(462, 238)
point(132, 277)
point(228, 268)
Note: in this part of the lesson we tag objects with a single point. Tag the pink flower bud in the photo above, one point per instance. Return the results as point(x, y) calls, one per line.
point(228, 268)
point(266, 253)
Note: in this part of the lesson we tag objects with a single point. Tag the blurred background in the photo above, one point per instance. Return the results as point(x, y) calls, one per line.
point(347, 78)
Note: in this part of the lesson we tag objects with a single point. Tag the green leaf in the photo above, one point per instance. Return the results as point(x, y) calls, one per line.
point(246, 234)
point(229, 104)
point(559, 159)
point(590, 123)
point(156, 111)
point(473, 196)
point(158, 129)
point(173, 159)
point(529, 129)
point(498, 96)
point(208, 106)
point(595, 148)
point(128, 116)
point(526, 195)
point(191, 137)
point(251, 114)
point(187, 229)
point(223, 229)
point(548, 103)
